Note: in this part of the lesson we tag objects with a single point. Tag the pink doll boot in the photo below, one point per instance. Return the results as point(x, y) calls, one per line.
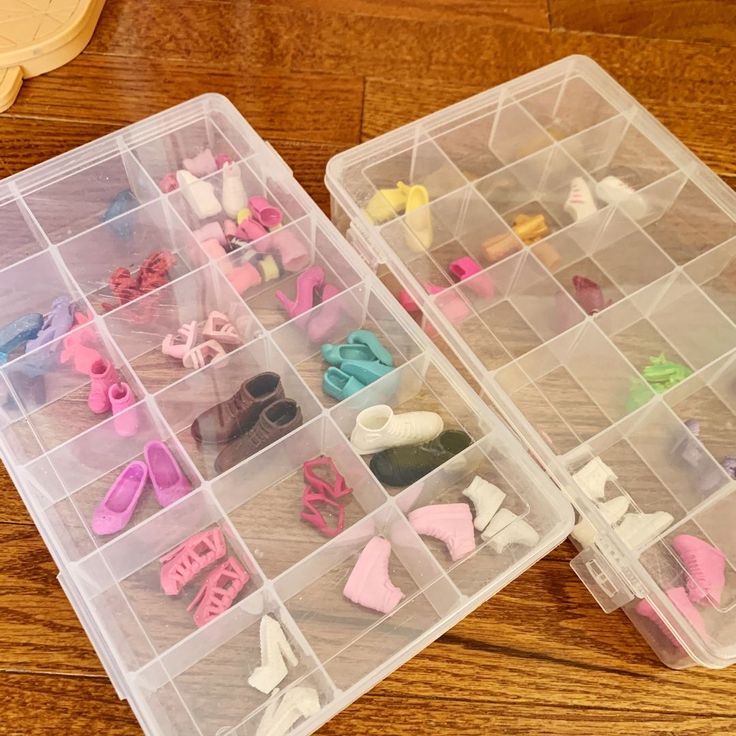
point(169, 482)
point(369, 584)
point(451, 523)
point(103, 375)
point(705, 565)
point(121, 398)
point(184, 563)
point(116, 509)
point(219, 591)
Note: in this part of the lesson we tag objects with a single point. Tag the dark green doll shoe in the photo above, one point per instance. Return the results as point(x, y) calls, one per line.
point(402, 466)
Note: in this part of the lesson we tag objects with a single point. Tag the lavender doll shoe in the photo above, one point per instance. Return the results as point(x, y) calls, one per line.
point(116, 509)
point(169, 483)
point(57, 323)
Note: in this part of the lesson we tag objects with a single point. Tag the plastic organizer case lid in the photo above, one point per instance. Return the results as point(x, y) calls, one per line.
point(582, 264)
point(216, 584)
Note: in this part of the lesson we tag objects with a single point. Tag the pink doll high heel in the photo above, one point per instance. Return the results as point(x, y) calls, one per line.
point(219, 591)
point(168, 481)
point(323, 324)
point(307, 282)
point(186, 561)
point(332, 484)
point(116, 509)
point(311, 513)
point(369, 584)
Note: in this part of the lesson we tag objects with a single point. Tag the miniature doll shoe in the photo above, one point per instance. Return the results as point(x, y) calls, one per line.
point(218, 327)
point(613, 191)
point(683, 603)
point(76, 348)
point(219, 590)
point(121, 398)
point(407, 301)
point(705, 566)
point(451, 304)
point(418, 218)
point(451, 523)
point(267, 214)
point(507, 528)
point(211, 231)
point(282, 713)
point(201, 165)
point(185, 562)
point(379, 428)
point(468, 269)
point(324, 323)
point(214, 250)
point(500, 246)
point(233, 191)
point(366, 371)
point(222, 158)
point(386, 204)
point(199, 194)
point(592, 478)
point(307, 283)
point(122, 202)
point(116, 509)
point(293, 253)
point(636, 529)
point(369, 584)
point(369, 339)
point(169, 482)
point(645, 609)
point(203, 354)
point(612, 511)
point(336, 354)
point(177, 346)
point(314, 501)
point(168, 183)
point(56, 323)
point(589, 295)
point(275, 653)
point(580, 202)
point(340, 385)
point(244, 277)
point(102, 376)
point(332, 484)
point(229, 227)
point(243, 214)
point(269, 269)
point(486, 498)
point(530, 228)
point(18, 332)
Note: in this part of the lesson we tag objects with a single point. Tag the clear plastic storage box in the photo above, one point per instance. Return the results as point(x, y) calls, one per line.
point(596, 306)
point(78, 234)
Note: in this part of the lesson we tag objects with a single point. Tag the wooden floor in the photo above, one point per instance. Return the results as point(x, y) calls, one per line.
point(315, 77)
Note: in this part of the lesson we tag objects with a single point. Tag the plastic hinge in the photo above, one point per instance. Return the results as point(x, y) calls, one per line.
point(360, 242)
point(604, 583)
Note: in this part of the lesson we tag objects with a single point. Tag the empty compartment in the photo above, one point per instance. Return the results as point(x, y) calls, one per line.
point(236, 428)
point(88, 193)
point(609, 250)
point(21, 236)
point(533, 188)
point(417, 386)
point(120, 261)
point(573, 387)
point(62, 389)
point(715, 273)
point(289, 271)
point(482, 141)
point(331, 349)
point(181, 326)
point(109, 479)
point(140, 585)
point(351, 639)
point(267, 498)
point(667, 330)
point(683, 220)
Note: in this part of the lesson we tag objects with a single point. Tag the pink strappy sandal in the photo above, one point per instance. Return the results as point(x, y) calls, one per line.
point(324, 483)
point(219, 591)
point(177, 346)
point(312, 514)
point(184, 563)
point(219, 328)
point(204, 354)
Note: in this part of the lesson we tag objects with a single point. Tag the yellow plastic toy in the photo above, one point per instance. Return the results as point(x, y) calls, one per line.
point(37, 36)
point(418, 218)
point(387, 203)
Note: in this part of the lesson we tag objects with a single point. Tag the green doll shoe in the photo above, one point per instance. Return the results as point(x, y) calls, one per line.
point(340, 385)
point(366, 371)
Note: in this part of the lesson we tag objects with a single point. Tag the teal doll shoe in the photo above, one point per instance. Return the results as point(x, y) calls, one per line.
point(340, 385)
point(337, 354)
point(17, 333)
point(367, 338)
point(366, 371)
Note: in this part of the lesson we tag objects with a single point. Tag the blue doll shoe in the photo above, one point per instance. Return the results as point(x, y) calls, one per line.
point(366, 371)
point(340, 385)
point(336, 354)
point(121, 203)
point(18, 332)
point(367, 338)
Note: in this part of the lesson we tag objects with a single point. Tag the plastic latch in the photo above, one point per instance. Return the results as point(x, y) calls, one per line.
point(360, 242)
point(601, 579)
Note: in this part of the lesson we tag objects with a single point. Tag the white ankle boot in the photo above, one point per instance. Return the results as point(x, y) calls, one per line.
point(486, 498)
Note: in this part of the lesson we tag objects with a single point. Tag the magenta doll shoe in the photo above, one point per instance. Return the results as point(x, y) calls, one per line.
point(705, 565)
point(263, 211)
point(202, 164)
point(115, 510)
point(369, 584)
point(307, 283)
point(322, 326)
point(183, 564)
point(121, 398)
point(250, 230)
point(103, 375)
point(451, 523)
point(169, 483)
point(468, 268)
point(219, 590)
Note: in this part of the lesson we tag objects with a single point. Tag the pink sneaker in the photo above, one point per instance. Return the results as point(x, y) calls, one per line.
point(219, 591)
point(369, 584)
point(122, 397)
point(169, 482)
point(116, 509)
point(705, 565)
point(103, 375)
point(451, 523)
point(184, 563)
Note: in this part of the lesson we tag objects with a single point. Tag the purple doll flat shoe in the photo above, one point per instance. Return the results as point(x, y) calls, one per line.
point(169, 483)
point(56, 323)
point(114, 512)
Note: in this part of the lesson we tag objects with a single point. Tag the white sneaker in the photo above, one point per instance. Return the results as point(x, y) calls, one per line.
point(580, 202)
point(234, 197)
point(486, 498)
point(592, 478)
point(507, 528)
point(613, 191)
point(636, 529)
point(199, 194)
point(378, 428)
point(584, 532)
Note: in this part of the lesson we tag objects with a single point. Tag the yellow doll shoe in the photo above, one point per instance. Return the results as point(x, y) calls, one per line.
point(387, 203)
point(418, 218)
